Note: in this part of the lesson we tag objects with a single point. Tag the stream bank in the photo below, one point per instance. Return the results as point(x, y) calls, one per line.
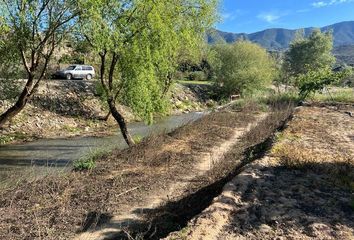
point(81, 202)
point(63, 109)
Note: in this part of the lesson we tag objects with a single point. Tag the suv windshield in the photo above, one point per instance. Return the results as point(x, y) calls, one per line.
point(71, 68)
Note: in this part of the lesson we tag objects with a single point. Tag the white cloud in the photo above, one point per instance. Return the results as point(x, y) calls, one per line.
point(269, 17)
point(319, 4)
point(329, 3)
point(229, 16)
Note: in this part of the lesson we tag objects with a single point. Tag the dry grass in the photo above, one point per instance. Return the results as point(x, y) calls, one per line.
point(57, 207)
point(320, 139)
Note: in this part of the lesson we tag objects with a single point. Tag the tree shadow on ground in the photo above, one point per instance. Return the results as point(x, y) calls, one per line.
point(314, 201)
point(157, 223)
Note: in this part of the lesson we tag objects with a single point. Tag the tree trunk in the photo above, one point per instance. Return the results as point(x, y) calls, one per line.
point(121, 122)
point(105, 118)
point(15, 109)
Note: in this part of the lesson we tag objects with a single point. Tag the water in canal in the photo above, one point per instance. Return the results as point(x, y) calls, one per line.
point(48, 155)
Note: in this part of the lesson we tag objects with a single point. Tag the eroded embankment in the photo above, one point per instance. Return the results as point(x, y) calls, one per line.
point(302, 189)
point(62, 108)
point(61, 207)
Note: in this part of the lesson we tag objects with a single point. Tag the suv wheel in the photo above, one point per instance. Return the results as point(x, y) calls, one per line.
point(68, 76)
point(89, 77)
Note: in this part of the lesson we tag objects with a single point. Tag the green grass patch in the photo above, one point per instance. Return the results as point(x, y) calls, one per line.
point(137, 138)
point(88, 162)
point(11, 137)
point(187, 82)
point(71, 129)
point(344, 95)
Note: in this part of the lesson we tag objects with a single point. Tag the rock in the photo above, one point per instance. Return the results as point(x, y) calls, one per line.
point(264, 228)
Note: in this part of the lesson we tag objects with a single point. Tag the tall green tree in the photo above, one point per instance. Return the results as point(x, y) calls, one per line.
point(309, 62)
point(242, 68)
point(310, 54)
point(138, 43)
point(33, 30)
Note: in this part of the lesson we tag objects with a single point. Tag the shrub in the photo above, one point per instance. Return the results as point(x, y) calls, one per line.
point(197, 76)
point(242, 67)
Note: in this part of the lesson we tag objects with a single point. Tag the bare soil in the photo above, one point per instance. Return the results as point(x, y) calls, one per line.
point(302, 189)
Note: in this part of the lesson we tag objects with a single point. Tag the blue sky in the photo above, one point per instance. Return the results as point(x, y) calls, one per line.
point(255, 15)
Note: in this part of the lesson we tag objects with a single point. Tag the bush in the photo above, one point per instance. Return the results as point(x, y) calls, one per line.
point(72, 58)
point(242, 67)
point(197, 76)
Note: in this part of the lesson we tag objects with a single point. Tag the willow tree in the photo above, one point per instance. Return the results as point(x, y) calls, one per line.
point(310, 54)
point(242, 68)
point(138, 42)
point(32, 30)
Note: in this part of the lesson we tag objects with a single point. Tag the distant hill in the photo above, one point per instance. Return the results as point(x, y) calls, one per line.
point(344, 54)
point(279, 38)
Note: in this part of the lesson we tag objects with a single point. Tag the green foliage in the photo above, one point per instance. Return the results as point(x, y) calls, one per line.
point(309, 62)
point(310, 54)
point(197, 76)
point(137, 138)
point(89, 162)
point(9, 89)
point(72, 58)
point(345, 95)
point(242, 67)
point(146, 37)
point(184, 82)
point(316, 80)
point(11, 137)
point(286, 97)
point(84, 164)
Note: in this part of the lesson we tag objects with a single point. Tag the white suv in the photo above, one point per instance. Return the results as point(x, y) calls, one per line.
point(76, 72)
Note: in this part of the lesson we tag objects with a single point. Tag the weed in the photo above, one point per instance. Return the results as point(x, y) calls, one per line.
point(71, 129)
point(137, 138)
point(89, 162)
point(12, 137)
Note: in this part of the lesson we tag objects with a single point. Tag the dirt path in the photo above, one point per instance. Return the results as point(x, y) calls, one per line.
point(204, 162)
point(303, 189)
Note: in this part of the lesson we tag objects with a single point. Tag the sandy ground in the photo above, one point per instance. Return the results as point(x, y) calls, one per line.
point(302, 189)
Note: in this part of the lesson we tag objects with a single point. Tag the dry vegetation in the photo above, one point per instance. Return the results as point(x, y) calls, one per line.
point(56, 208)
point(302, 189)
point(319, 139)
point(60, 207)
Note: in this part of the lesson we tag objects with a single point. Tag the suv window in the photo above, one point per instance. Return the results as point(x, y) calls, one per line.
point(78, 68)
point(71, 68)
point(87, 68)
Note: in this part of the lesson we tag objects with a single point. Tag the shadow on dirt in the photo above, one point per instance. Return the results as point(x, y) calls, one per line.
point(299, 202)
point(176, 213)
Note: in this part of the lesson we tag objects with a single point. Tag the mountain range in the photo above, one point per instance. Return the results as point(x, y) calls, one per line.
point(280, 38)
